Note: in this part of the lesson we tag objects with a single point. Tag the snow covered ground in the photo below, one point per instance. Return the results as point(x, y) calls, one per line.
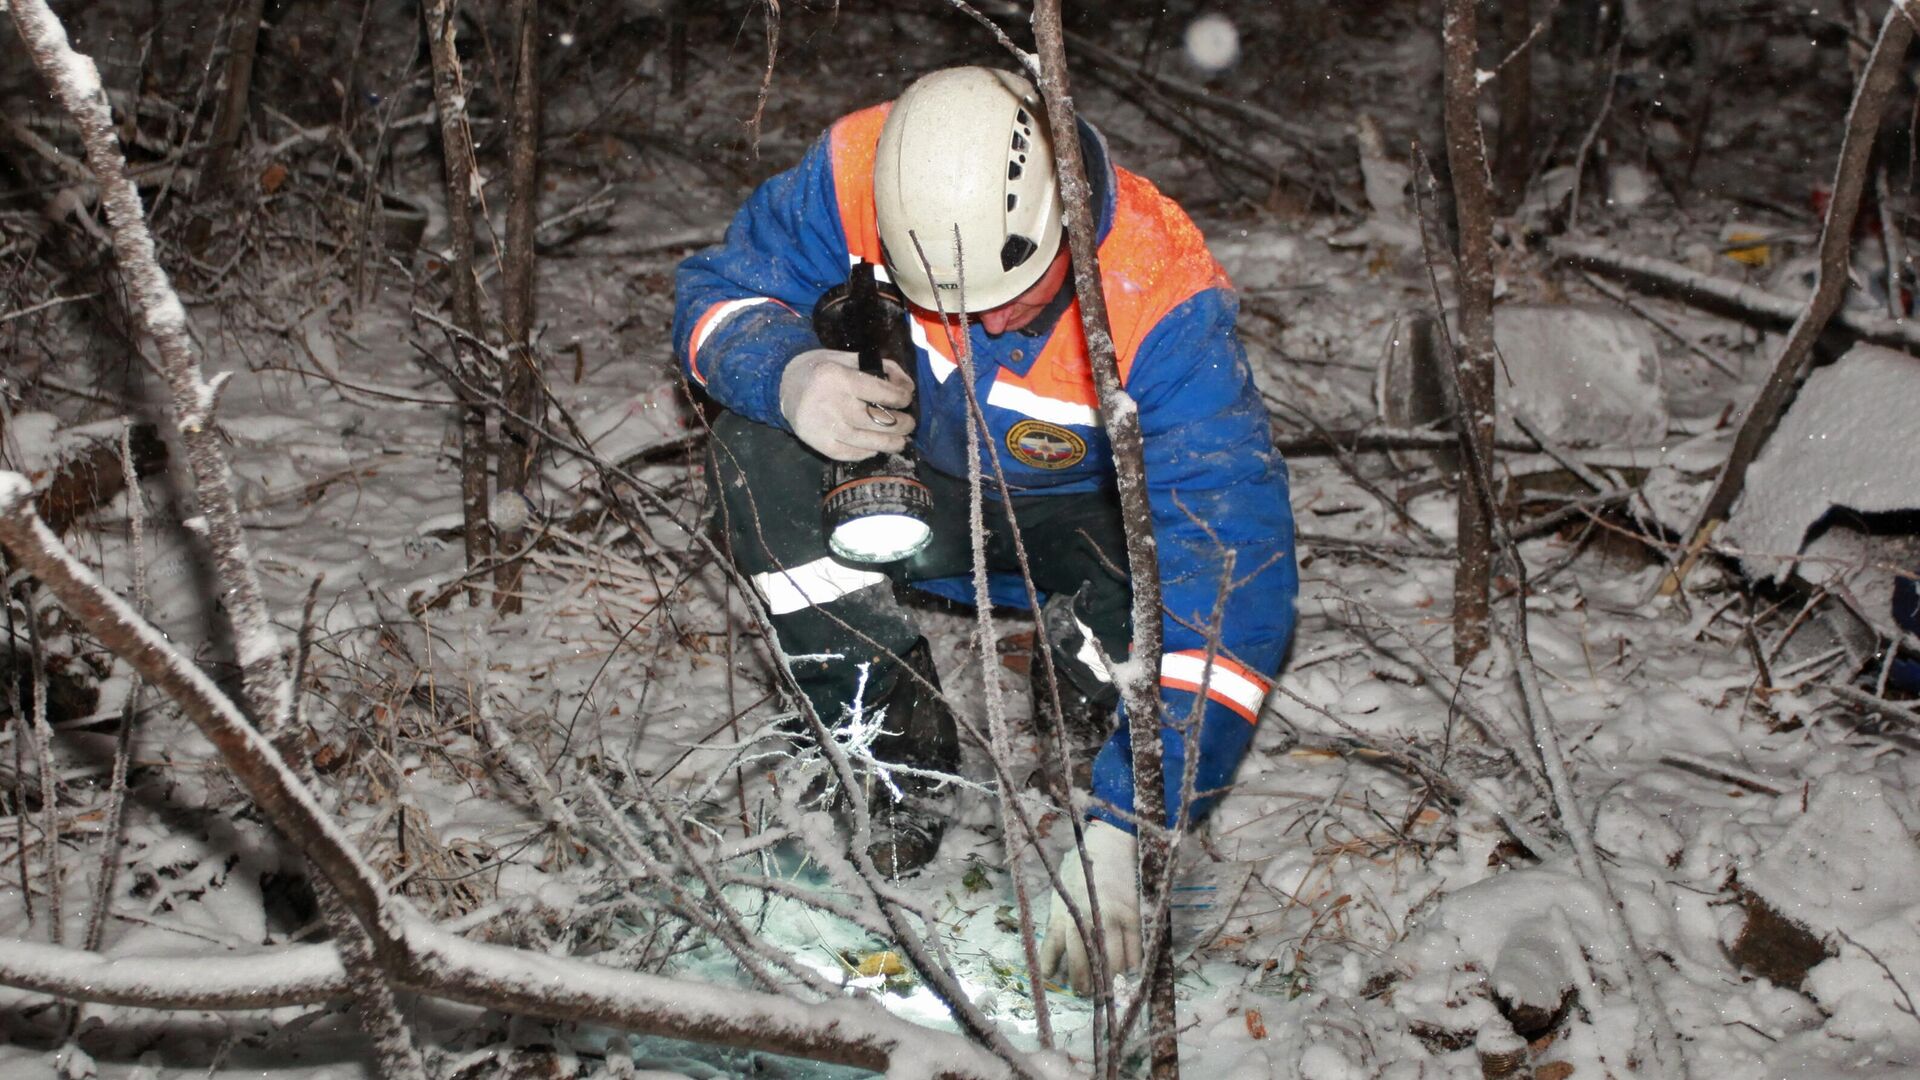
point(1356, 907)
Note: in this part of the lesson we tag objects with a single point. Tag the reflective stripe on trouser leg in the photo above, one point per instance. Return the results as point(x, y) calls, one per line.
point(821, 581)
point(1239, 688)
point(766, 487)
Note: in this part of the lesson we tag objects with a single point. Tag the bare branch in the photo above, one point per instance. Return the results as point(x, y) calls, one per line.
point(1139, 685)
point(463, 185)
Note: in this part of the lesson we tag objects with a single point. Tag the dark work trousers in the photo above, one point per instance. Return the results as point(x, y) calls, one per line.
point(831, 616)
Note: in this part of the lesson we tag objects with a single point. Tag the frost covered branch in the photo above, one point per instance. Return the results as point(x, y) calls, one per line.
point(76, 83)
point(414, 955)
point(847, 1032)
point(1719, 295)
point(298, 975)
point(266, 683)
point(1138, 679)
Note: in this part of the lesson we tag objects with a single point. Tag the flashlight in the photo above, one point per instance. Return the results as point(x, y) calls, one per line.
point(875, 510)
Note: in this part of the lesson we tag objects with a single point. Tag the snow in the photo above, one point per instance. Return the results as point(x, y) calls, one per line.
point(1582, 375)
point(1845, 868)
point(224, 714)
point(13, 488)
point(1847, 862)
point(1384, 179)
point(1841, 447)
point(636, 424)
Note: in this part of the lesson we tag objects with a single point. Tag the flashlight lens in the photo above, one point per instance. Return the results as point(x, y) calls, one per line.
point(879, 538)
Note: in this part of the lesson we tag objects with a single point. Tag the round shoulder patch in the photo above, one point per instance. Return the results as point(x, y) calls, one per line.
point(1040, 445)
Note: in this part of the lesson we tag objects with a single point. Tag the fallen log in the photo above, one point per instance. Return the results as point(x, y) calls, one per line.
point(1293, 443)
point(93, 479)
point(1721, 296)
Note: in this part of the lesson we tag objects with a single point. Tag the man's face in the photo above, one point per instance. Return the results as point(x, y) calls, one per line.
point(1026, 307)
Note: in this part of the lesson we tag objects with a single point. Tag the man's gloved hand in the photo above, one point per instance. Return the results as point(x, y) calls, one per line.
point(1110, 852)
point(843, 414)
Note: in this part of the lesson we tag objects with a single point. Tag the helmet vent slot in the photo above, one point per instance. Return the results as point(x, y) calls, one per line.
point(1013, 170)
point(1019, 143)
point(1012, 201)
point(1016, 250)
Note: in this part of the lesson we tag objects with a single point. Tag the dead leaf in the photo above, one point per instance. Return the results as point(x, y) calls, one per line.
point(1255, 1026)
point(885, 962)
point(272, 177)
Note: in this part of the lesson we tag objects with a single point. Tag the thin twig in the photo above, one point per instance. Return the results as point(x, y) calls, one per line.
point(1593, 130)
point(1863, 700)
point(41, 735)
point(44, 305)
point(115, 816)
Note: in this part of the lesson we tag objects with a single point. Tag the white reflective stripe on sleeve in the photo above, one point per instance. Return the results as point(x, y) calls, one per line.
point(942, 367)
point(1229, 684)
point(1027, 403)
point(718, 314)
point(818, 582)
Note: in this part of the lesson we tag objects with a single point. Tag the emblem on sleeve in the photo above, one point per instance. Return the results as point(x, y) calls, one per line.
point(1040, 445)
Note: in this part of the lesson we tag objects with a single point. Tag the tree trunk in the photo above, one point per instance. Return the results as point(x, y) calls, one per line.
point(521, 390)
point(1139, 689)
point(449, 100)
point(1513, 165)
point(1473, 225)
point(1877, 82)
point(230, 116)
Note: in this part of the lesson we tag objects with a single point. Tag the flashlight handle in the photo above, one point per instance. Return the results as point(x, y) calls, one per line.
point(865, 301)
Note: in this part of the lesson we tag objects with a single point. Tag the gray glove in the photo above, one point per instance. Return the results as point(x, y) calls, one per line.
point(843, 414)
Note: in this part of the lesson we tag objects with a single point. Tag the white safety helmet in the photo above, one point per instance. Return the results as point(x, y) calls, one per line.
point(967, 148)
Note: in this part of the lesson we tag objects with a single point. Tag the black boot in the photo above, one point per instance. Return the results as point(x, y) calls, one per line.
point(1086, 713)
point(919, 733)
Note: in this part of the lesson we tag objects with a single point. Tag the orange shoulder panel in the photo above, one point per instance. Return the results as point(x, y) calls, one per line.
point(855, 142)
point(1153, 261)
